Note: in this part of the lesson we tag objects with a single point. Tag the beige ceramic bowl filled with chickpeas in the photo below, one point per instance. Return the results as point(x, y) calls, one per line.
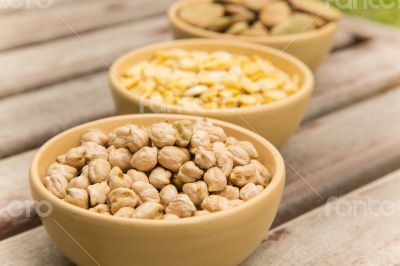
point(304, 28)
point(259, 88)
point(157, 190)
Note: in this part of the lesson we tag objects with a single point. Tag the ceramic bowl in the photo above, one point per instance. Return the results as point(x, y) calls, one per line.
point(311, 47)
point(222, 238)
point(276, 121)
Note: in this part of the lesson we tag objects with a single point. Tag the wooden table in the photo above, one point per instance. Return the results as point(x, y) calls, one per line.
point(54, 75)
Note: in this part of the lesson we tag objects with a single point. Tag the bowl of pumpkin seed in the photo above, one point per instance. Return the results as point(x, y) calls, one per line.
point(251, 85)
point(303, 28)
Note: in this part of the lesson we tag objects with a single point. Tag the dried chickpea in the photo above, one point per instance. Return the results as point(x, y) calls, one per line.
point(159, 177)
point(120, 157)
point(98, 193)
point(146, 191)
point(230, 192)
point(184, 132)
point(130, 136)
point(204, 159)
point(145, 159)
point(149, 210)
point(181, 206)
point(137, 176)
point(85, 171)
point(94, 151)
point(122, 197)
point(233, 203)
point(119, 179)
point(81, 181)
point(189, 172)
point(75, 157)
point(214, 203)
point(249, 191)
point(263, 175)
point(231, 141)
point(101, 209)
point(99, 170)
point(215, 133)
point(172, 158)
point(170, 216)
point(215, 179)
point(249, 148)
point(177, 181)
point(125, 212)
point(224, 160)
point(218, 146)
point(163, 134)
point(57, 184)
point(240, 155)
point(201, 213)
point(66, 171)
point(200, 138)
point(242, 175)
point(78, 197)
point(197, 191)
point(168, 194)
point(95, 135)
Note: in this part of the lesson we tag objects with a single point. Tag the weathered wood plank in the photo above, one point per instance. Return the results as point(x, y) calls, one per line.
point(51, 62)
point(360, 228)
point(26, 6)
point(81, 16)
point(340, 152)
point(29, 119)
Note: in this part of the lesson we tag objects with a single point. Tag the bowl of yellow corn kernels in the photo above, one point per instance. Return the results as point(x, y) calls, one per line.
point(157, 189)
point(259, 88)
point(304, 28)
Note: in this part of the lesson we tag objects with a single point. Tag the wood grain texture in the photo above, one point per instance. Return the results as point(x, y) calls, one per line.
point(80, 16)
point(27, 120)
point(340, 152)
point(360, 228)
point(44, 64)
point(27, 7)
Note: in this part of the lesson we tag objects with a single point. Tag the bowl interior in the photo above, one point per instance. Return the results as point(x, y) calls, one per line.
point(58, 145)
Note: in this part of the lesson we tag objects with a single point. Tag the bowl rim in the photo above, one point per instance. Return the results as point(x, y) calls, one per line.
point(305, 90)
point(38, 186)
point(289, 38)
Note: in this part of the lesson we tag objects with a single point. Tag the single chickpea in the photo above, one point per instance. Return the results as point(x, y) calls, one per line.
point(182, 206)
point(240, 156)
point(197, 191)
point(189, 172)
point(249, 148)
point(146, 191)
point(137, 176)
point(149, 210)
point(85, 171)
point(98, 193)
point(163, 134)
point(184, 130)
point(186, 152)
point(230, 192)
point(216, 133)
point(218, 146)
point(81, 181)
point(66, 171)
point(94, 151)
point(200, 124)
point(125, 212)
point(101, 209)
point(95, 135)
point(78, 197)
point(119, 179)
point(231, 141)
point(177, 181)
point(201, 213)
point(129, 136)
point(214, 203)
point(119, 157)
point(249, 191)
point(122, 197)
point(168, 194)
point(99, 170)
point(170, 216)
point(204, 159)
point(200, 138)
point(233, 203)
point(159, 177)
point(172, 158)
point(145, 159)
point(57, 184)
point(215, 179)
point(263, 175)
point(242, 175)
point(224, 160)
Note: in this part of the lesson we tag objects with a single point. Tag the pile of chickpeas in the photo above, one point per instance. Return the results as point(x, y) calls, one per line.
point(168, 170)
